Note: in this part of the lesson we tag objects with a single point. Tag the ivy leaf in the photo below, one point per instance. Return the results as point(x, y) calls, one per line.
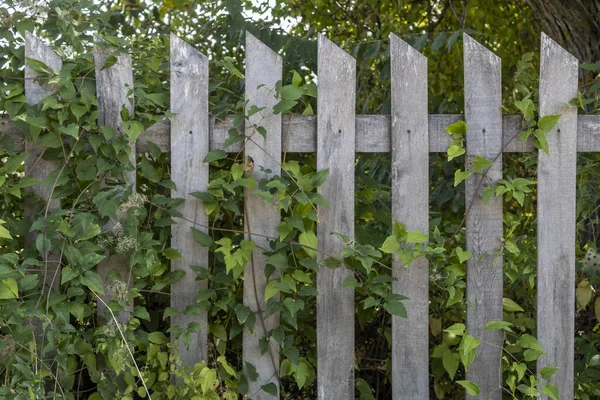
point(463, 255)
point(202, 238)
point(481, 163)
point(457, 329)
point(309, 242)
point(270, 388)
point(496, 325)
point(551, 391)
point(548, 122)
point(454, 151)
point(510, 306)
point(157, 338)
point(133, 129)
point(271, 289)
point(416, 237)
point(13, 163)
point(390, 245)
point(296, 78)
point(547, 372)
point(11, 284)
point(141, 313)
point(215, 155)
point(458, 129)
point(39, 66)
point(4, 233)
point(396, 308)
point(450, 362)
point(460, 176)
point(471, 387)
point(487, 193)
point(93, 281)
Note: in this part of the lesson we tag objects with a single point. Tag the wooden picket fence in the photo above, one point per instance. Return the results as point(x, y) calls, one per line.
point(336, 134)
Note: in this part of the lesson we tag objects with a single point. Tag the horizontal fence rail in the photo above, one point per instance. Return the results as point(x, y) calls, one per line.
point(336, 134)
point(373, 134)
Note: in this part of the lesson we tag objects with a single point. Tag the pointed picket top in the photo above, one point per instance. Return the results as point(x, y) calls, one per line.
point(327, 50)
point(472, 48)
point(181, 51)
point(254, 44)
point(404, 48)
point(556, 61)
point(36, 49)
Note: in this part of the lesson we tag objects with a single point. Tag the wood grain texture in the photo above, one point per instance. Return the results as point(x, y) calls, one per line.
point(112, 87)
point(189, 146)
point(335, 151)
point(483, 114)
point(263, 71)
point(556, 216)
point(39, 168)
point(410, 204)
point(299, 134)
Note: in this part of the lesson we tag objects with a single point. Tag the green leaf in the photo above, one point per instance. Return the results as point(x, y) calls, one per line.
point(78, 110)
point(296, 78)
point(4, 233)
point(215, 155)
point(457, 130)
point(471, 387)
point(202, 238)
point(141, 313)
point(309, 242)
point(481, 163)
point(271, 289)
point(71, 130)
point(390, 245)
point(157, 338)
point(496, 325)
point(270, 388)
point(395, 308)
point(11, 284)
point(460, 176)
point(455, 150)
point(510, 305)
point(93, 281)
point(450, 361)
point(207, 379)
point(548, 122)
point(457, 329)
point(13, 163)
point(172, 254)
point(416, 237)
point(487, 193)
point(551, 391)
point(547, 372)
point(463, 255)
point(39, 66)
point(133, 129)
point(350, 282)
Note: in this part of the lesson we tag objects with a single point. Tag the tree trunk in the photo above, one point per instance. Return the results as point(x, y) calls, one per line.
point(575, 24)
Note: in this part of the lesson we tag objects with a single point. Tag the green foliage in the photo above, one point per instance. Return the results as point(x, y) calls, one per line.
point(87, 349)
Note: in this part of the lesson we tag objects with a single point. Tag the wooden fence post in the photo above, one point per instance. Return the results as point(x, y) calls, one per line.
point(483, 115)
point(35, 166)
point(556, 216)
point(263, 71)
point(335, 151)
point(112, 86)
point(189, 146)
point(410, 204)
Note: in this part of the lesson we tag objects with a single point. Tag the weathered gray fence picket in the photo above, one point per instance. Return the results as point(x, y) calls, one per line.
point(263, 71)
point(336, 134)
point(483, 115)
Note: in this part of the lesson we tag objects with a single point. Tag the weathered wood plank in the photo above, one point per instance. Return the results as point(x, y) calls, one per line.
point(335, 151)
point(39, 168)
point(483, 114)
point(112, 87)
point(410, 204)
point(263, 71)
point(556, 216)
point(189, 146)
point(299, 133)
